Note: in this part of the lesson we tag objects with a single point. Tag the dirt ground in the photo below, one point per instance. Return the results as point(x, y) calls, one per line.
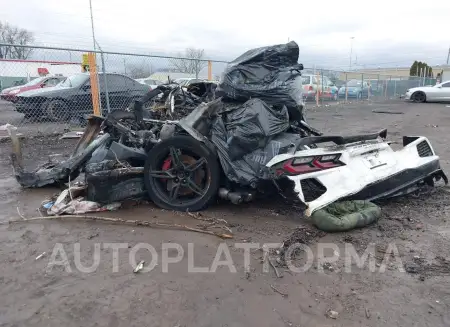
point(34, 295)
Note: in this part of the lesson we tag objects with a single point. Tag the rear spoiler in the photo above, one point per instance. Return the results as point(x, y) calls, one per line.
point(341, 140)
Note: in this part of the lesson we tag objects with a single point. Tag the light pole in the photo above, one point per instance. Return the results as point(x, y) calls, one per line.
point(92, 23)
point(351, 52)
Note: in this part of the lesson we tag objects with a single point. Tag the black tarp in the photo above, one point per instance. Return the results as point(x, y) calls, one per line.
point(251, 125)
point(251, 167)
point(271, 74)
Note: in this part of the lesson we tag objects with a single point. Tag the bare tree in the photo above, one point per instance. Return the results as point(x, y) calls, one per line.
point(141, 70)
point(191, 62)
point(15, 36)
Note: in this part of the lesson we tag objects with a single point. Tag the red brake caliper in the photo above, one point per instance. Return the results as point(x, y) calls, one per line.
point(167, 163)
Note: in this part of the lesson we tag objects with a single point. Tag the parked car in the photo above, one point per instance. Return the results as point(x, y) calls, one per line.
point(355, 89)
point(436, 93)
point(188, 81)
point(153, 83)
point(322, 84)
point(72, 97)
point(10, 94)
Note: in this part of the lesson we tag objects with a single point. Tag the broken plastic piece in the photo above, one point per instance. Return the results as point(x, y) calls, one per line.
point(139, 267)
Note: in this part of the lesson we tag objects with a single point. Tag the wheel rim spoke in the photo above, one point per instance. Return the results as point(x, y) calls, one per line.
point(174, 192)
point(166, 174)
point(200, 162)
point(194, 187)
point(175, 155)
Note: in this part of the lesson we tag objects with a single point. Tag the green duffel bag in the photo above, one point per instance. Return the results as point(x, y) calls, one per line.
point(346, 215)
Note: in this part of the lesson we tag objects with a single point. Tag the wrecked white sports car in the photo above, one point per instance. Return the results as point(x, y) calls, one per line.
point(358, 168)
point(252, 139)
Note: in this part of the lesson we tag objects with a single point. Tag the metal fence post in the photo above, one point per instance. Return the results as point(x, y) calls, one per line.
point(362, 86)
point(390, 79)
point(346, 88)
point(395, 87)
point(321, 82)
point(94, 83)
point(385, 88)
point(105, 81)
point(317, 90)
point(209, 70)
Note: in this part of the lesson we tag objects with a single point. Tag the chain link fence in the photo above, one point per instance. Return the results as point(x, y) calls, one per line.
point(31, 100)
point(54, 91)
point(320, 86)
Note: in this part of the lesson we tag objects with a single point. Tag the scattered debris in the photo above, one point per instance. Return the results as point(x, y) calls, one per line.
point(328, 266)
point(90, 237)
point(332, 314)
point(367, 313)
point(48, 205)
point(440, 266)
point(139, 267)
point(40, 255)
point(278, 291)
point(267, 124)
point(72, 135)
point(277, 273)
point(150, 224)
point(20, 214)
point(388, 112)
point(6, 131)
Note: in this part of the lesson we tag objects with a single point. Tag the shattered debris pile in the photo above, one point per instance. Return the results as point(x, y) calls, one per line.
point(243, 138)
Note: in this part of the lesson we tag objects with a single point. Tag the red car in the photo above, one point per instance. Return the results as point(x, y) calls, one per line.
point(10, 94)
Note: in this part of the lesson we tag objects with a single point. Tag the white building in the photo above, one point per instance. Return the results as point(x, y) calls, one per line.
point(16, 70)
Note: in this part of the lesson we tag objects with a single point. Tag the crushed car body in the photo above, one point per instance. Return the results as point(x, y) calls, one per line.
point(363, 170)
point(246, 138)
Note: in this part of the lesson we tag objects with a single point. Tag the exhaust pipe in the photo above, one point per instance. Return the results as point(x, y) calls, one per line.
point(234, 197)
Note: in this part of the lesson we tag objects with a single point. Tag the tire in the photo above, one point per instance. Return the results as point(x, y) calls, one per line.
point(419, 97)
point(57, 110)
point(157, 186)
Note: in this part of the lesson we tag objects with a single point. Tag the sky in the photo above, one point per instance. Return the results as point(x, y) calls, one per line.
point(386, 33)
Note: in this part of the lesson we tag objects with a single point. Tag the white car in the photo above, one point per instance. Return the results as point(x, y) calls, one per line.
point(437, 93)
point(153, 83)
point(187, 81)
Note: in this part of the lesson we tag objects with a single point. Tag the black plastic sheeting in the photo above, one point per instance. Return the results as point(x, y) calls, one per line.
point(246, 137)
point(271, 74)
point(261, 93)
point(251, 125)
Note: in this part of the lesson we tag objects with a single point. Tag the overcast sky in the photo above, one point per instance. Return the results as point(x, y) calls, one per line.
point(386, 32)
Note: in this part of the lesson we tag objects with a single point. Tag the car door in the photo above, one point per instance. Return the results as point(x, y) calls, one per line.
point(116, 91)
point(445, 91)
point(82, 97)
point(327, 86)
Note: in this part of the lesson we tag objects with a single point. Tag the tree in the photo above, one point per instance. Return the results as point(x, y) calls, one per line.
point(191, 62)
point(414, 68)
point(140, 70)
point(419, 68)
point(15, 36)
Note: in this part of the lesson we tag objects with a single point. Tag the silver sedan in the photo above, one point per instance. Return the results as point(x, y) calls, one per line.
point(439, 92)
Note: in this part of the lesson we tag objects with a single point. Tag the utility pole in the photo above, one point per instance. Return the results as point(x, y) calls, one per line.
point(351, 52)
point(448, 55)
point(92, 23)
